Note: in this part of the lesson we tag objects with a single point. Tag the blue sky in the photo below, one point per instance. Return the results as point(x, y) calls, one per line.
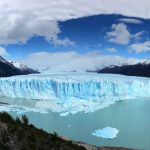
point(77, 35)
point(88, 34)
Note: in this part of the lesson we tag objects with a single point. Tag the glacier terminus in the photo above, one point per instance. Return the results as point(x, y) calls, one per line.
point(69, 93)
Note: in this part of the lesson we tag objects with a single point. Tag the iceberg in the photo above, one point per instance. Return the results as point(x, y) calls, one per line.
point(107, 133)
point(69, 93)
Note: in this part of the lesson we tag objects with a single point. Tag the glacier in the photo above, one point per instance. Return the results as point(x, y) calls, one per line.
point(69, 93)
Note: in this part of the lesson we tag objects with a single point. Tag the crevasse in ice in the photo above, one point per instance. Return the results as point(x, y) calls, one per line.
point(65, 87)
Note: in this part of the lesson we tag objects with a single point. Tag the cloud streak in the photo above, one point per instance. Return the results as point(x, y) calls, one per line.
point(130, 20)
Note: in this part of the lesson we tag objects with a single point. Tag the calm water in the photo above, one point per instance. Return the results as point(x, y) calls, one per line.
point(130, 117)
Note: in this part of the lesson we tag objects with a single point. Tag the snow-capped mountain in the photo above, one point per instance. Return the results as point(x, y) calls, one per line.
point(8, 68)
point(138, 69)
point(25, 69)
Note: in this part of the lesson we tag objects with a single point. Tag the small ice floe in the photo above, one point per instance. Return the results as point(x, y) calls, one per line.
point(107, 133)
point(64, 114)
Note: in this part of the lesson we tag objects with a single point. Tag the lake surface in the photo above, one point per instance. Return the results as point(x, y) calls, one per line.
point(130, 117)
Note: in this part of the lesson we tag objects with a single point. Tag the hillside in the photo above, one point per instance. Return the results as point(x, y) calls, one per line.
point(16, 134)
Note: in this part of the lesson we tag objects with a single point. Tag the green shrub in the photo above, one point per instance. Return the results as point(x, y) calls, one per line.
point(5, 117)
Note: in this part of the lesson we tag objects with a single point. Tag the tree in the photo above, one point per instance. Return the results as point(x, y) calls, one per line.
point(25, 120)
point(18, 120)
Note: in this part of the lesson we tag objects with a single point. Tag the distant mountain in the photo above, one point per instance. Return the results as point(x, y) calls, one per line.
point(9, 69)
point(140, 69)
point(24, 69)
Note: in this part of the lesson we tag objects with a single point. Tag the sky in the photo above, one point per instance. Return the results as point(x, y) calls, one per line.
point(62, 35)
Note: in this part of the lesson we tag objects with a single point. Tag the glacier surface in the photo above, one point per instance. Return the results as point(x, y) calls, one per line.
point(69, 93)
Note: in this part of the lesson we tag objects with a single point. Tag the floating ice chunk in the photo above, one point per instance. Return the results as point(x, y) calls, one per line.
point(107, 133)
point(64, 114)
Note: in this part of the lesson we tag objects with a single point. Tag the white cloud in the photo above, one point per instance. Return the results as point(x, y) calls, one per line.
point(3, 52)
point(130, 20)
point(113, 50)
point(119, 34)
point(140, 47)
point(22, 19)
point(73, 61)
point(63, 42)
point(20, 28)
point(67, 9)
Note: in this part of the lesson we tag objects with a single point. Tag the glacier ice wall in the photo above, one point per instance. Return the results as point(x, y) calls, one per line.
point(69, 93)
point(64, 87)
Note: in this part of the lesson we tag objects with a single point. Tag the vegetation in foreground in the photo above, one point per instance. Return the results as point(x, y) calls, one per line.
point(17, 134)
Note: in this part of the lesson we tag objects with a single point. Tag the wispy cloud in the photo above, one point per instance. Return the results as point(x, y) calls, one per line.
point(3, 52)
point(140, 47)
point(130, 20)
point(137, 36)
point(112, 50)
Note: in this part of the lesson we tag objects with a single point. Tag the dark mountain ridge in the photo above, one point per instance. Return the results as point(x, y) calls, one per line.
point(8, 69)
point(140, 69)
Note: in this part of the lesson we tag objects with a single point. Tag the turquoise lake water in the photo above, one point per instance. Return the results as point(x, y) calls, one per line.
point(130, 117)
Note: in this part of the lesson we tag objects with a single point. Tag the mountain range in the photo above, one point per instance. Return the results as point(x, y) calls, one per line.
point(139, 69)
point(9, 68)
